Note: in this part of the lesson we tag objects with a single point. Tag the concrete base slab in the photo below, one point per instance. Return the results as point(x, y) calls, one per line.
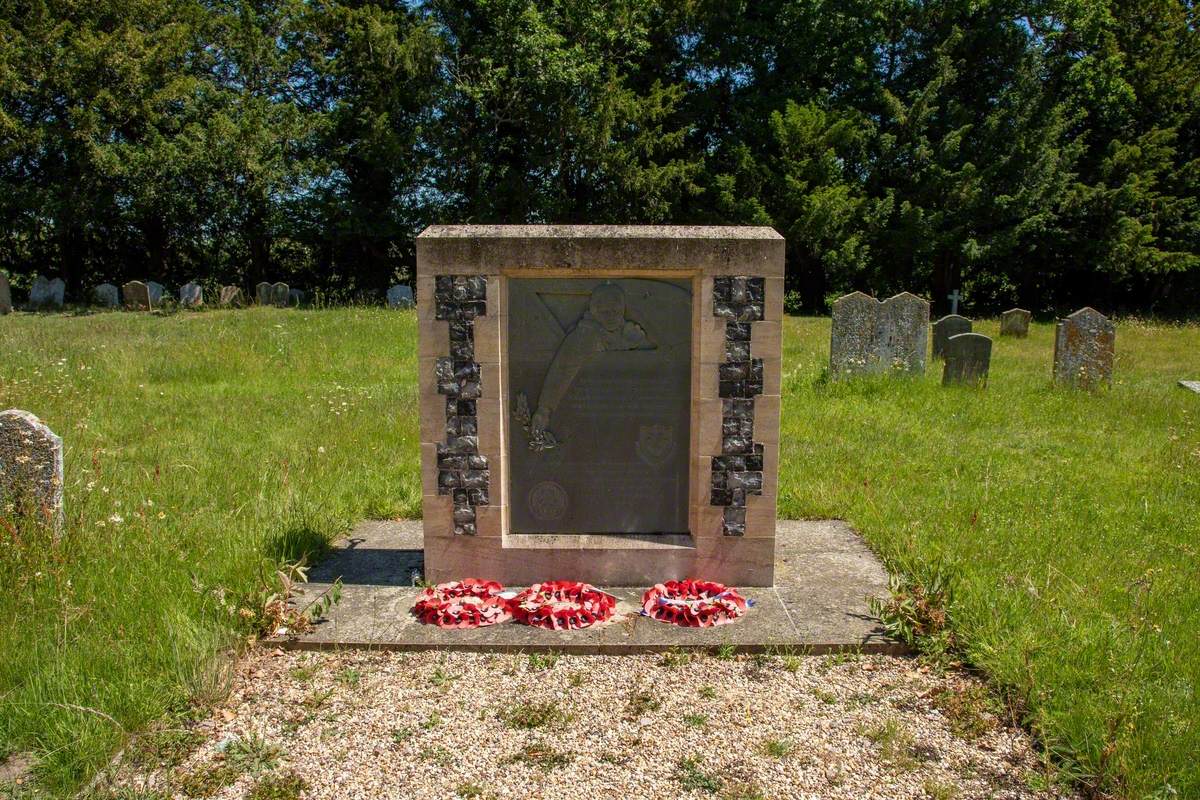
point(824, 577)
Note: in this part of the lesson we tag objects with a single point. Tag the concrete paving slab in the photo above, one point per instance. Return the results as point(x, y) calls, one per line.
point(824, 574)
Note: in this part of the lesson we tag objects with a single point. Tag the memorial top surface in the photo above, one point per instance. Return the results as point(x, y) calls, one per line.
point(718, 250)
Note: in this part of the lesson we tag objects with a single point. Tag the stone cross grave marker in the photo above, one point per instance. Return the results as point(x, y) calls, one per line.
point(944, 328)
point(400, 296)
point(279, 294)
point(1015, 322)
point(954, 297)
point(5, 296)
point(191, 295)
point(1084, 349)
point(968, 357)
point(107, 295)
point(31, 468)
point(137, 296)
point(157, 291)
point(262, 294)
point(231, 296)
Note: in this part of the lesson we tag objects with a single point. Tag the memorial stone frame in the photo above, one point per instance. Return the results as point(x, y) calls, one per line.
point(599, 403)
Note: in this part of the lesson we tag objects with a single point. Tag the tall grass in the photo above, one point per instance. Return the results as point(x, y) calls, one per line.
point(202, 446)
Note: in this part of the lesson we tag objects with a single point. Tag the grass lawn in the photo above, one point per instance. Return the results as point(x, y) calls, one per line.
point(202, 448)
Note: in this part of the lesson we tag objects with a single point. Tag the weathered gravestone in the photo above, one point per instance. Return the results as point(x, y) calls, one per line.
point(1084, 349)
point(870, 336)
point(968, 357)
point(231, 296)
point(137, 296)
point(157, 292)
point(5, 296)
point(46, 293)
point(107, 295)
point(400, 296)
point(279, 294)
point(944, 328)
point(191, 295)
point(262, 294)
point(295, 298)
point(1015, 322)
point(31, 468)
point(639, 405)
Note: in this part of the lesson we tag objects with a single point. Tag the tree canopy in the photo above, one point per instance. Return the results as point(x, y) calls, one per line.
point(1043, 153)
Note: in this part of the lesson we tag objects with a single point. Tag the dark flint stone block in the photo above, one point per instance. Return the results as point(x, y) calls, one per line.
point(461, 331)
point(720, 497)
point(451, 461)
point(751, 312)
point(447, 479)
point(722, 292)
point(443, 288)
point(461, 426)
point(736, 463)
point(476, 287)
point(443, 369)
point(462, 351)
point(477, 497)
point(724, 389)
point(756, 289)
point(738, 409)
point(475, 479)
point(735, 521)
point(470, 310)
point(469, 390)
point(720, 464)
point(725, 309)
point(466, 529)
point(477, 462)
point(738, 293)
point(737, 498)
point(737, 331)
point(461, 498)
point(459, 289)
point(730, 426)
point(719, 479)
point(735, 444)
point(753, 388)
point(466, 408)
point(756, 370)
point(460, 444)
point(464, 514)
point(445, 310)
point(748, 481)
point(466, 370)
point(754, 463)
point(737, 351)
point(737, 371)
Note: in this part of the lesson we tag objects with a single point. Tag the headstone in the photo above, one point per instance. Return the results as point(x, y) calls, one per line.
point(137, 296)
point(31, 468)
point(262, 294)
point(232, 296)
point(46, 293)
point(295, 298)
point(1191, 386)
point(954, 297)
point(968, 357)
point(279, 294)
point(851, 343)
point(902, 333)
point(1015, 322)
point(1084, 348)
point(400, 296)
point(191, 295)
point(5, 296)
point(107, 295)
point(944, 328)
point(157, 292)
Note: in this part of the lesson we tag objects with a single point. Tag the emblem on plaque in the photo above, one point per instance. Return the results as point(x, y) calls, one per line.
point(655, 444)
point(548, 501)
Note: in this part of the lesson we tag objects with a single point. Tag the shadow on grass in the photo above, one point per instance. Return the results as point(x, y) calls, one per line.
point(298, 543)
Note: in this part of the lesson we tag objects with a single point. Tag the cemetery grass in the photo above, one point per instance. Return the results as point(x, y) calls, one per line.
point(204, 448)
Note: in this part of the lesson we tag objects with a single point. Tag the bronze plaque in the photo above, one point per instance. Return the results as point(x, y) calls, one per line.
point(599, 377)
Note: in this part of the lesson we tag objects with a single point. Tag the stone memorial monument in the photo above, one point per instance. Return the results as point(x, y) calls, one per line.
point(262, 294)
point(400, 296)
point(968, 358)
point(107, 295)
point(5, 295)
point(599, 403)
point(295, 298)
point(191, 295)
point(157, 292)
point(232, 297)
point(944, 328)
point(1015, 322)
point(31, 468)
point(869, 336)
point(279, 295)
point(1084, 349)
point(46, 294)
point(137, 296)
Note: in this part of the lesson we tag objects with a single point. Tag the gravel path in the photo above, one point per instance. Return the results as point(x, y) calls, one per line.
point(444, 725)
